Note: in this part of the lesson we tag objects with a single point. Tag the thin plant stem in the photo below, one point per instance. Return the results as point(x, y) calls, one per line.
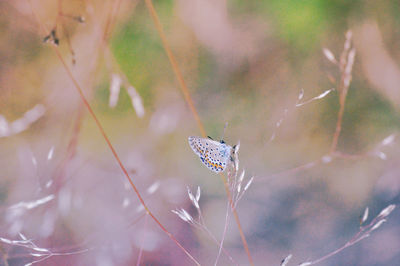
point(4, 255)
point(223, 235)
point(290, 171)
point(339, 122)
point(345, 67)
point(141, 247)
point(64, 29)
point(138, 219)
point(235, 214)
point(202, 226)
point(111, 20)
point(71, 149)
point(189, 101)
point(175, 67)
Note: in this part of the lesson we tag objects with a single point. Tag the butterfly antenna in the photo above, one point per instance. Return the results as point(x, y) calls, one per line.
point(223, 133)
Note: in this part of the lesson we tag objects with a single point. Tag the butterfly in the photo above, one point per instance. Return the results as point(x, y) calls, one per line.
point(213, 154)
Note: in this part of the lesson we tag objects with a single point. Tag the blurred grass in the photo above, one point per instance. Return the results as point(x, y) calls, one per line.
point(250, 95)
point(301, 23)
point(138, 51)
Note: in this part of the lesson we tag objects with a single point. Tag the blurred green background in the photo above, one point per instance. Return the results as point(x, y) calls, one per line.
point(245, 63)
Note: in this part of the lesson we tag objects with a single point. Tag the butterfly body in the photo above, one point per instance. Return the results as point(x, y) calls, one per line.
point(213, 154)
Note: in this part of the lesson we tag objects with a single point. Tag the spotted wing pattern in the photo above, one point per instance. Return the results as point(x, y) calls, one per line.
point(213, 154)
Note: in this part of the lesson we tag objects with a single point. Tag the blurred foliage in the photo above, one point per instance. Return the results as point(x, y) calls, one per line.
point(301, 23)
point(138, 50)
point(245, 63)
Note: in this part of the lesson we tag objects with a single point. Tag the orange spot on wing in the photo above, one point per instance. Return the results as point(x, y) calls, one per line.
point(213, 164)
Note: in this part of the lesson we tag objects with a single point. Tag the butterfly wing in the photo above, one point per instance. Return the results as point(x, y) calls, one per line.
point(212, 154)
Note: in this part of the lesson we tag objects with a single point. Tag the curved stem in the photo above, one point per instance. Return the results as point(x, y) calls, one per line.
point(111, 147)
point(101, 129)
point(189, 101)
point(175, 67)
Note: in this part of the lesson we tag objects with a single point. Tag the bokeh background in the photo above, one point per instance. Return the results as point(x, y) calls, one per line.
point(245, 64)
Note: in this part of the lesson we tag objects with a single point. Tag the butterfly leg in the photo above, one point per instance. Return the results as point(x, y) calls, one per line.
point(233, 152)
